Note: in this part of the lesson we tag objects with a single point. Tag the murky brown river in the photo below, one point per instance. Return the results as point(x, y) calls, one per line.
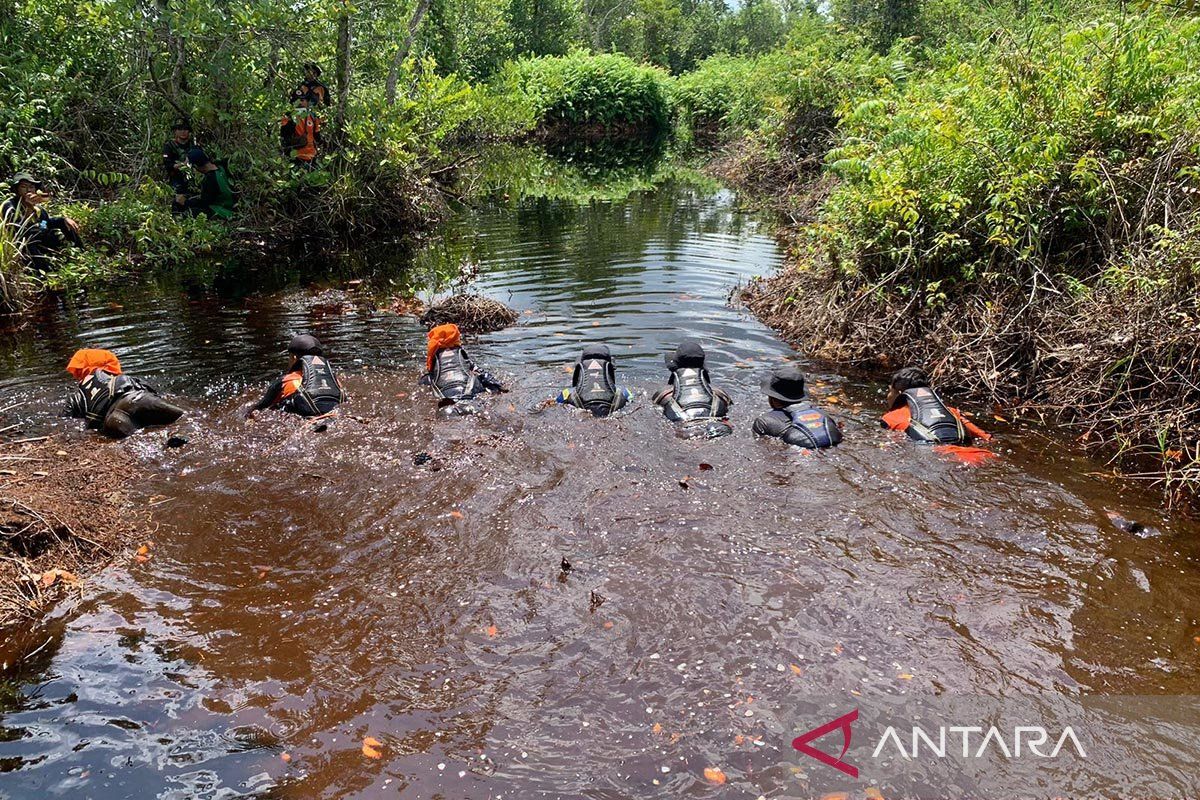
point(307, 591)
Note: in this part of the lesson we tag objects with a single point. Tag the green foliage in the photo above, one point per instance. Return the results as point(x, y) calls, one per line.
point(583, 93)
point(1002, 158)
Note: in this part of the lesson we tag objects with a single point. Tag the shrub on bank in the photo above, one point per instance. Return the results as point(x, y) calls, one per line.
point(585, 94)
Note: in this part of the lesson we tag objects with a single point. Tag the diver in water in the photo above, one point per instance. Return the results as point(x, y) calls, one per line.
point(310, 387)
point(111, 401)
point(594, 383)
point(792, 418)
point(915, 408)
point(451, 374)
point(690, 398)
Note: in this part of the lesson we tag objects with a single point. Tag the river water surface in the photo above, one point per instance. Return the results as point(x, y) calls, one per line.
point(308, 591)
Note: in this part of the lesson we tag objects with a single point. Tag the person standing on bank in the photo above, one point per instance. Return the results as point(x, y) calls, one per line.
point(792, 418)
point(300, 133)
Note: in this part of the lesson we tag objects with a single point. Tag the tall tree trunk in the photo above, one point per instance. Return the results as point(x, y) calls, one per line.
point(343, 71)
point(402, 51)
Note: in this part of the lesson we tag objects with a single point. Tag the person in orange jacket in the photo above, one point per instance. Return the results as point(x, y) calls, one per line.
point(309, 388)
point(300, 133)
point(915, 409)
point(111, 401)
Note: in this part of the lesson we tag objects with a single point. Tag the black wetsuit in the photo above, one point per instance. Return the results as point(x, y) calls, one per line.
point(311, 389)
point(931, 419)
point(800, 424)
point(690, 396)
point(454, 376)
point(119, 405)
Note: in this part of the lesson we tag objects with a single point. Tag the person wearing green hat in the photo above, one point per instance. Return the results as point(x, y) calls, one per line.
point(792, 418)
point(38, 234)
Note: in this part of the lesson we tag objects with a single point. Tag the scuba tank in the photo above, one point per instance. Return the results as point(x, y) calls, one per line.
point(594, 383)
point(931, 420)
point(692, 396)
point(809, 427)
point(453, 376)
point(319, 391)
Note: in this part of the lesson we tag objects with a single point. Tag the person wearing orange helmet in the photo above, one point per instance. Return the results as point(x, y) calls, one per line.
point(111, 401)
point(450, 372)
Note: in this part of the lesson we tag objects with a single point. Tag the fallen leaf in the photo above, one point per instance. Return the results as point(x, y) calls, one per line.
point(456, 514)
point(836, 796)
point(492, 630)
point(143, 550)
point(568, 368)
point(608, 625)
point(1196, 639)
point(371, 741)
point(512, 406)
point(714, 775)
point(370, 752)
point(141, 559)
point(49, 577)
point(705, 467)
point(796, 669)
point(874, 794)
point(838, 649)
point(287, 757)
point(739, 740)
point(905, 676)
point(998, 418)
point(656, 729)
point(1174, 455)
point(684, 481)
point(262, 571)
point(596, 324)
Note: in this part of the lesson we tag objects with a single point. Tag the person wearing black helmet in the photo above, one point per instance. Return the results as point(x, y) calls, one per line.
point(309, 388)
point(594, 383)
point(690, 398)
point(917, 410)
point(37, 234)
point(174, 160)
point(792, 418)
point(216, 195)
point(311, 86)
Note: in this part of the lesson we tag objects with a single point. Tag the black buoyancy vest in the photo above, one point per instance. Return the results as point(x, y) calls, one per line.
point(452, 376)
point(810, 427)
point(693, 396)
point(931, 420)
point(92, 397)
point(319, 389)
point(594, 387)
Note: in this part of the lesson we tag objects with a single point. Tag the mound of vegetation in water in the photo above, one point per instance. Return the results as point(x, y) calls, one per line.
point(1014, 205)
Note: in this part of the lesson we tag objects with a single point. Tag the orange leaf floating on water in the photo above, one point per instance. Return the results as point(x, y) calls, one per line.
point(512, 406)
point(874, 794)
point(838, 649)
point(456, 514)
point(371, 752)
point(714, 775)
point(143, 550)
point(492, 630)
point(371, 741)
point(796, 669)
point(262, 571)
point(905, 676)
point(739, 740)
point(141, 559)
point(608, 625)
point(836, 796)
point(998, 418)
point(287, 757)
point(656, 729)
point(1174, 455)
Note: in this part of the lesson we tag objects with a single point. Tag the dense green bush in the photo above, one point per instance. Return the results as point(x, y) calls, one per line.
point(582, 93)
point(1003, 158)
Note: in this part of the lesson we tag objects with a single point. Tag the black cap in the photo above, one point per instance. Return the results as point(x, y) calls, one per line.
point(688, 354)
point(197, 157)
point(314, 66)
point(910, 378)
point(595, 350)
point(305, 345)
point(785, 384)
point(182, 124)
